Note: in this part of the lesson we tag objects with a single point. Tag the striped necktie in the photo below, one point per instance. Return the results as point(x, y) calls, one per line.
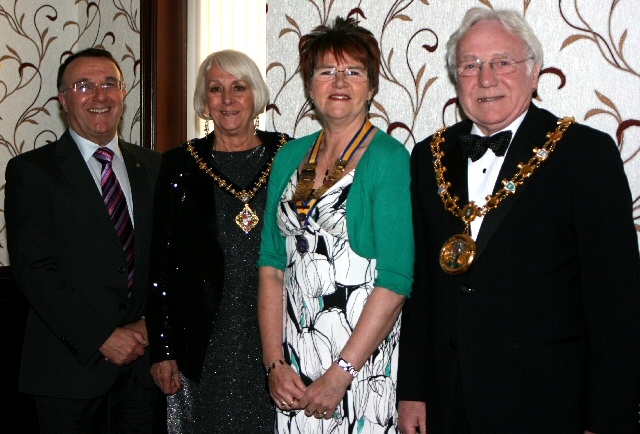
point(116, 204)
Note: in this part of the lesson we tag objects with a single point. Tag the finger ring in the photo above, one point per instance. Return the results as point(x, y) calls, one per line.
point(292, 401)
point(319, 415)
point(284, 404)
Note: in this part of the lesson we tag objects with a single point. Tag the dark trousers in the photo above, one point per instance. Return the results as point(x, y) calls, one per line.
point(127, 408)
point(459, 422)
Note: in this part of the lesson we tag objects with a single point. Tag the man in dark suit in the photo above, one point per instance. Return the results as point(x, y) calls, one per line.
point(83, 270)
point(525, 316)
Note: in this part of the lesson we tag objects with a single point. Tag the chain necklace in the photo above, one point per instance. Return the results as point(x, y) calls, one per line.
point(247, 219)
point(458, 252)
point(305, 196)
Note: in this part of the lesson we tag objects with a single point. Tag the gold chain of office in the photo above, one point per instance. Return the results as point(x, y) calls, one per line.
point(458, 252)
point(247, 219)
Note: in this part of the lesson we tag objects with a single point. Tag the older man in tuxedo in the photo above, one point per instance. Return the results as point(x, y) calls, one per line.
point(78, 214)
point(525, 315)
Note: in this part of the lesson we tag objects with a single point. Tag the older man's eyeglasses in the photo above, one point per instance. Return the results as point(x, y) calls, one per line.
point(89, 87)
point(350, 74)
point(472, 67)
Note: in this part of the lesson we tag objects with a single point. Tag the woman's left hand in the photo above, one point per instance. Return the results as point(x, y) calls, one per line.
point(285, 386)
point(323, 395)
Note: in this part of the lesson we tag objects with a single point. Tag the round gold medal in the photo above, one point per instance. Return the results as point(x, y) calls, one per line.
point(457, 254)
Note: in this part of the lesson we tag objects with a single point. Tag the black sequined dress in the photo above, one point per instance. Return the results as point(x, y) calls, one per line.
point(231, 395)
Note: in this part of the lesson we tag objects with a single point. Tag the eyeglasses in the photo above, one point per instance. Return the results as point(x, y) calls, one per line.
point(350, 74)
point(470, 68)
point(89, 87)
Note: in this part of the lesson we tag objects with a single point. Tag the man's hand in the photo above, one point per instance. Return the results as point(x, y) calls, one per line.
point(139, 326)
point(124, 346)
point(412, 417)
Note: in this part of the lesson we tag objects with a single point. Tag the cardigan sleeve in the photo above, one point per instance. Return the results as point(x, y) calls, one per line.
point(379, 213)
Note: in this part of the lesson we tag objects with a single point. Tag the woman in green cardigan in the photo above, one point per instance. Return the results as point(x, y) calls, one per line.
point(336, 258)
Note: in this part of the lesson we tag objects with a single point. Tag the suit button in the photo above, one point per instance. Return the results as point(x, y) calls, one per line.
point(122, 306)
point(122, 269)
point(453, 343)
point(465, 290)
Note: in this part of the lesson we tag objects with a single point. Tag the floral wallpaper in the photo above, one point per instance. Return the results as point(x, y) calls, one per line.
point(591, 67)
point(35, 37)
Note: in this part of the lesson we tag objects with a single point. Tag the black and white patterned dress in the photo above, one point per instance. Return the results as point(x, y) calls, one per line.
point(326, 288)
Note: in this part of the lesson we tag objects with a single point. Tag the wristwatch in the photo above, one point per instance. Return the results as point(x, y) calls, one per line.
point(342, 363)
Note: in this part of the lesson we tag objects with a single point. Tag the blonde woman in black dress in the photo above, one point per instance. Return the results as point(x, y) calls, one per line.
point(202, 318)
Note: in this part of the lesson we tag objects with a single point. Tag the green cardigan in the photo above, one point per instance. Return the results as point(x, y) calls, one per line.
point(378, 209)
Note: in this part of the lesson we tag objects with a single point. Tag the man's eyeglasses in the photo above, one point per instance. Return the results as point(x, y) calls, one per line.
point(472, 67)
point(89, 87)
point(350, 74)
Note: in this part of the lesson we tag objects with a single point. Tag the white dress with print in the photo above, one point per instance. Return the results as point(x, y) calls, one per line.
point(326, 288)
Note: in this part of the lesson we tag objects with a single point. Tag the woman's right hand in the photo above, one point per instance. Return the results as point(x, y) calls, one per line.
point(285, 387)
point(166, 376)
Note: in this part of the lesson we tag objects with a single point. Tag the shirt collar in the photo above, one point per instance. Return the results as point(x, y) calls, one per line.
point(87, 147)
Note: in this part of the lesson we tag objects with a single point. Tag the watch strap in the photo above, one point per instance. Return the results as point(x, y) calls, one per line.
point(343, 364)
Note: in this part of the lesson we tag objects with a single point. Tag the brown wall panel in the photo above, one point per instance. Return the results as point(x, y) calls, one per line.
point(164, 66)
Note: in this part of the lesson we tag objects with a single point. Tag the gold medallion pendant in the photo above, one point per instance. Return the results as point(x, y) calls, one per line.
point(247, 219)
point(457, 254)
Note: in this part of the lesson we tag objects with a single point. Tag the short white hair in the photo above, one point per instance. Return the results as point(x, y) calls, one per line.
point(511, 20)
point(239, 65)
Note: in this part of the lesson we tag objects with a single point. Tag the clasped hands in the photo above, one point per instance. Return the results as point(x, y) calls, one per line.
point(320, 399)
point(126, 344)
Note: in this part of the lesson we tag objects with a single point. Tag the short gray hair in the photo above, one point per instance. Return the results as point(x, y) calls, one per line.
point(239, 65)
point(511, 20)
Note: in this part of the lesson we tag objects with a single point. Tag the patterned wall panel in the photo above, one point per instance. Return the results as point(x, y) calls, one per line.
point(35, 37)
point(591, 68)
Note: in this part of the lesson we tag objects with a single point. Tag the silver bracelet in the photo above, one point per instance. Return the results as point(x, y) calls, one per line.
point(342, 363)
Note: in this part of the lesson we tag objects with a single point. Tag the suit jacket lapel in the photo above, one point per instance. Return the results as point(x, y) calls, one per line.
point(142, 194)
point(139, 181)
point(530, 134)
point(75, 169)
point(457, 166)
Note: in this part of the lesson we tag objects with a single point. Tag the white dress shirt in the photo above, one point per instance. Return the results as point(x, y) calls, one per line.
point(483, 173)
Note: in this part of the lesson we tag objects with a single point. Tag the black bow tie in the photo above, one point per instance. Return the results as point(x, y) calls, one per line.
point(474, 146)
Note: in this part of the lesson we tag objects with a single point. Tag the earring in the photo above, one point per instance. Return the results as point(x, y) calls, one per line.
point(206, 127)
point(256, 125)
